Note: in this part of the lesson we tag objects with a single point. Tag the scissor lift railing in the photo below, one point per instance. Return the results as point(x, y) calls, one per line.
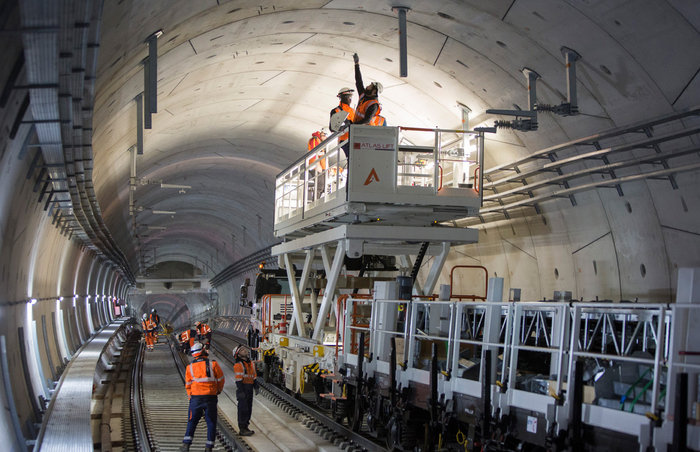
point(396, 175)
point(606, 332)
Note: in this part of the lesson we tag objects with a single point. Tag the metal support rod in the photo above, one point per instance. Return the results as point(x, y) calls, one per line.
point(403, 43)
point(531, 77)
point(570, 58)
point(392, 373)
point(296, 301)
point(680, 414)
point(41, 179)
point(486, 396)
point(435, 269)
point(139, 124)
point(329, 291)
point(132, 179)
point(152, 101)
point(433, 402)
point(147, 120)
point(480, 162)
point(302, 290)
point(659, 355)
point(577, 405)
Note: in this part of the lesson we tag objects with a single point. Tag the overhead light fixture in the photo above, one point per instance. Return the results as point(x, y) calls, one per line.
point(33, 301)
point(60, 298)
point(163, 212)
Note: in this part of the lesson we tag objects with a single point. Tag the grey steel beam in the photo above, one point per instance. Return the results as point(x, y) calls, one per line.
point(403, 41)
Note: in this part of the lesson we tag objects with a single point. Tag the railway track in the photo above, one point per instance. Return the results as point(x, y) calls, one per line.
point(313, 418)
point(159, 406)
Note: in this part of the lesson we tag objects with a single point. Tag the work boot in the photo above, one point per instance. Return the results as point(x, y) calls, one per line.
point(185, 447)
point(245, 431)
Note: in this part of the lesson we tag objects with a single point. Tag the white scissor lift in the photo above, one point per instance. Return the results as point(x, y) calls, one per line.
point(401, 188)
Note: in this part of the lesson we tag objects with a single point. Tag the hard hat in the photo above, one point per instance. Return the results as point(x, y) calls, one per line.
point(197, 349)
point(153, 310)
point(238, 349)
point(145, 316)
point(345, 90)
point(379, 86)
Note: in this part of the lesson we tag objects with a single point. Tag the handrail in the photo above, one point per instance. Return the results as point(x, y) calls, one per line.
point(473, 297)
point(425, 129)
point(306, 154)
point(477, 185)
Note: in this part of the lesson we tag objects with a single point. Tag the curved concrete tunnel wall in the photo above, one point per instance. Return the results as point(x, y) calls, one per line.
point(38, 262)
point(608, 246)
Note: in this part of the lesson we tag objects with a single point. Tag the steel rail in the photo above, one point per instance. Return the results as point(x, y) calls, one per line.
point(142, 439)
point(317, 416)
point(224, 431)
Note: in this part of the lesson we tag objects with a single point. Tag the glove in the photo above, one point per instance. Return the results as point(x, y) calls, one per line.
point(356, 58)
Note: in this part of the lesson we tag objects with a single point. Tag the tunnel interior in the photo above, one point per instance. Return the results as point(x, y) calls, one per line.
point(102, 216)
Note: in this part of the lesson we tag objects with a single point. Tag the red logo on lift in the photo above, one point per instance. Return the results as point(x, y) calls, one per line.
point(372, 177)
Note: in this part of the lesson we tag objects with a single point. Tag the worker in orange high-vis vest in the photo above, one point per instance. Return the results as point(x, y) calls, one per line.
point(316, 139)
point(144, 328)
point(368, 106)
point(244, 372)
point(149, 330)
point(203, 333)
point(345, 95)
point(186, 339)
point(204, 381)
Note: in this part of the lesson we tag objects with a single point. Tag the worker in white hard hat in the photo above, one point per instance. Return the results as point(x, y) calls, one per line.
point(204, 381)
point(368, 107)
point(244, 372)
point(344, 109)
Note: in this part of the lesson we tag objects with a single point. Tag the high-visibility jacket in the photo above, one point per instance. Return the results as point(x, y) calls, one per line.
point(378, 120)
point(351, 118)
point(204, 377)
point(203, 329)
point(362, 108)
point(186, 336)
point(149, 325)
point(314, 141)
point(155, 318)
point(244, 371)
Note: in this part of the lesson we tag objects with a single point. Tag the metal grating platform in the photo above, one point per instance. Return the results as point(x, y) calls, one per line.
point(68, 427)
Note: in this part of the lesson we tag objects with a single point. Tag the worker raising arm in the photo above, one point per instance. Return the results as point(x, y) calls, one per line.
point(368, 107)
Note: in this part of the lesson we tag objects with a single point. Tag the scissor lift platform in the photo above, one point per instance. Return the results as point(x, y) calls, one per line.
point(387, 181)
